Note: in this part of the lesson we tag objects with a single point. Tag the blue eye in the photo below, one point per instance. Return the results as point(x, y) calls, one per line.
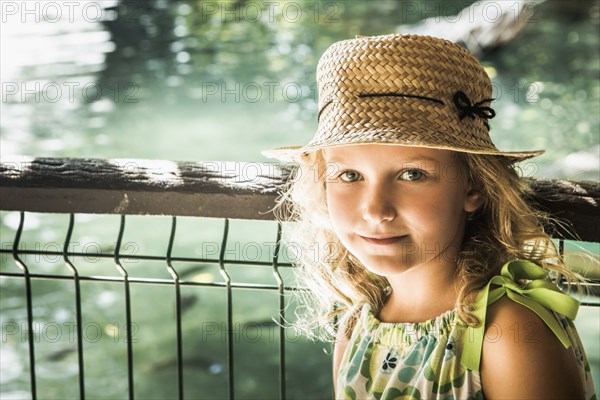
point(349, 176)
point(412, 175)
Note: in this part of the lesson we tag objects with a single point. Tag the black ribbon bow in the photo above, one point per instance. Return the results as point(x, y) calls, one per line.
point(466, 109)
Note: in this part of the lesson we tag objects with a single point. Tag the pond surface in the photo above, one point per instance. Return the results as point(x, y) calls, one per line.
point(192, 80)
point(199, 81)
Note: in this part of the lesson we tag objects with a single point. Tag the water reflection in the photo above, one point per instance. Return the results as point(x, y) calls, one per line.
point(50, 69)
point(186, 80)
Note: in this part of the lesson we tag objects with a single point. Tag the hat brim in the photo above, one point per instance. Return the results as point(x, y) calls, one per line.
point(298, 153)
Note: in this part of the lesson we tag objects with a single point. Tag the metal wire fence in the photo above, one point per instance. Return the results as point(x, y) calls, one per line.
point(297, 371)
point(122, 276)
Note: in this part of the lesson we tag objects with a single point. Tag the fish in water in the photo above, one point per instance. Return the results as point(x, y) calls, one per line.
point(60, 354)
point(187, 301)
point(193, 362)
point(186, 272)
point(267, 323)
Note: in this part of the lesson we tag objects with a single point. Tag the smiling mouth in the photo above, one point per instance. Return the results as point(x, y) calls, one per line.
point(382, 241)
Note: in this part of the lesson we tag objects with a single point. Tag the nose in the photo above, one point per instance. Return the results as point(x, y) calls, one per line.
point(378, 205)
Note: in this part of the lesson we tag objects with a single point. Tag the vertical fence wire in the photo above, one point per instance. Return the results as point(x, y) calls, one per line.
point(30, 337)
point(229, 284)
point(227, 278)
point(561, 247)
point(125, 277)
point(336, 328)
point(583, 302)
point(78, 318)
point(175, 277)
point(280, 288)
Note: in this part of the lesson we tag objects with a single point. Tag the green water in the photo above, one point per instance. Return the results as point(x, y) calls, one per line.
point(181, 81)
point(255, 336)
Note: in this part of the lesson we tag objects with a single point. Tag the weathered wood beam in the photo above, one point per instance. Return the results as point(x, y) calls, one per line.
point(576, 204)
point(214, 189)
point(135, 186)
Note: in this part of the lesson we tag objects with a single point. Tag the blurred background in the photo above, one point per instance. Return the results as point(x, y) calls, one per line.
point(196, 80)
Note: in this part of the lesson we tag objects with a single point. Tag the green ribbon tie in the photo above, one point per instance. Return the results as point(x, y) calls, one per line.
point(539, 295)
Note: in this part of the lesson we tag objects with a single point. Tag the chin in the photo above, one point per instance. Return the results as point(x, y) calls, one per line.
point(383, 267)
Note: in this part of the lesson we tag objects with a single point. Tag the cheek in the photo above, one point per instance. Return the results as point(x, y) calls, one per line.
point(436, 213)
point(339, 207)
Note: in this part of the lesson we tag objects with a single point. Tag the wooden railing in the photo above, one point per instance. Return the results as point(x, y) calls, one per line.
point(216, 189)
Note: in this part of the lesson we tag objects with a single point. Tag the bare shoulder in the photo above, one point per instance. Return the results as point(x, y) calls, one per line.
point(523, 358)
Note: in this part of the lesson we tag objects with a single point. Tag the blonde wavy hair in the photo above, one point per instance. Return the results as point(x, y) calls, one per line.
point(505, 227)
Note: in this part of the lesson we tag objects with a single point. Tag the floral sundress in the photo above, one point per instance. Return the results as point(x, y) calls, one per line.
point(385, 360)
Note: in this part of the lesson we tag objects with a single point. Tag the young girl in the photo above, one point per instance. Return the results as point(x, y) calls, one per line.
point(415, 233)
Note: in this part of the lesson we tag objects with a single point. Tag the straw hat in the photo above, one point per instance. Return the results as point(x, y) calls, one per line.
point(401, 89)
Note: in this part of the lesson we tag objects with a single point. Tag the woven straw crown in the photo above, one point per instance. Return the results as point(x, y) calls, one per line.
point(399, 89)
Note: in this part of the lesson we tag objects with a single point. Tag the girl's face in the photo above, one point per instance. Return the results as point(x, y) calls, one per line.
point(397, 207)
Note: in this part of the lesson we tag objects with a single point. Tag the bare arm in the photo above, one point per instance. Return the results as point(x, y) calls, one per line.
point(523, 359)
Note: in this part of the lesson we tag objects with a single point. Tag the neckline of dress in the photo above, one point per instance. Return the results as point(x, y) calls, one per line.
point(407, 333)
point(447, 315)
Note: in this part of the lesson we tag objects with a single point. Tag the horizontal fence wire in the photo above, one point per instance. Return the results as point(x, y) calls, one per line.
point(126, 279)
point(176, 281)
